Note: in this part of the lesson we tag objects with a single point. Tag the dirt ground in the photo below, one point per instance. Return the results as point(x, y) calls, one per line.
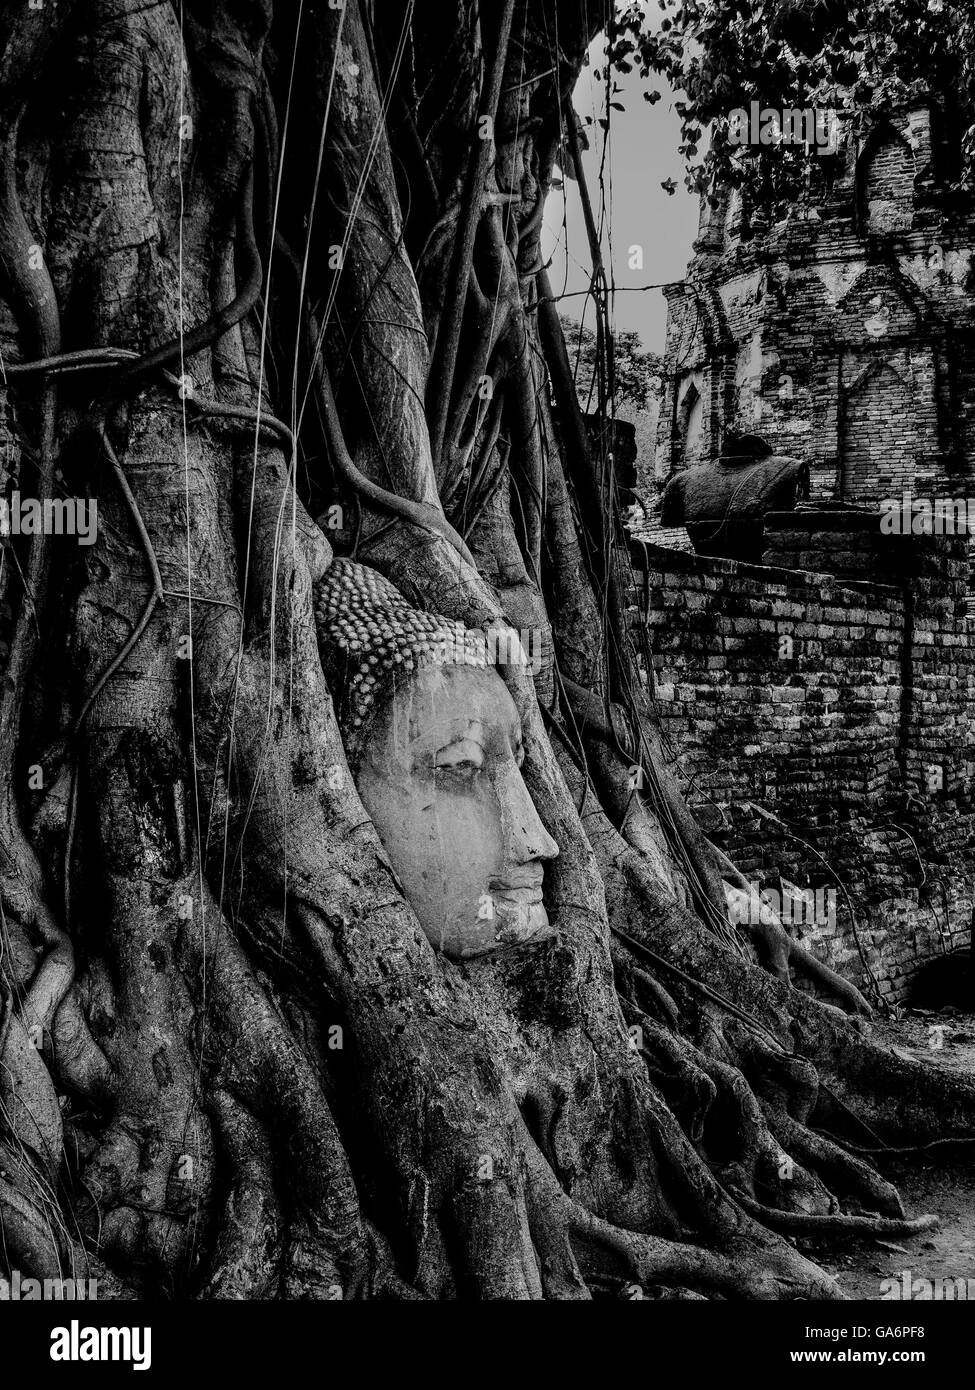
point(939, 1182)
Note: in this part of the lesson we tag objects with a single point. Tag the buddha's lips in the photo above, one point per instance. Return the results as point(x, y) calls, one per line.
point(518, 897)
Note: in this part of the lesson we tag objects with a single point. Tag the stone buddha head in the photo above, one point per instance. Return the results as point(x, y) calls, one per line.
point(434, 743)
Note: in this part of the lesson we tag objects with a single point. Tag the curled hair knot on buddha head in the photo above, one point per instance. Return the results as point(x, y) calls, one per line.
point(371, 639)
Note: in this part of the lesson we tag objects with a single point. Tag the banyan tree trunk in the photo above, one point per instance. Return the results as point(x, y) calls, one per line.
point(272, 290)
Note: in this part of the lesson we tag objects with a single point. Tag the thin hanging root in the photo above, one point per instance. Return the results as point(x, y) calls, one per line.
point(32, 1233)
point(611, 725)
point(226, 318)
point(155, 595)
point(795, 1223)
point(427, 516)
point(441, 376)
point(962, 1143)
point(844, 1172)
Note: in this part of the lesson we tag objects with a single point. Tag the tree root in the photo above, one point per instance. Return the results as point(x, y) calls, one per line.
point(244, 1262)
point(846, 1174)
point(792, 1223)
point(770, 1275)
point(748, 908)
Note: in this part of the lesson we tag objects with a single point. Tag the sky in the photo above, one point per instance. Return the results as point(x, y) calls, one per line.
point(643, 140)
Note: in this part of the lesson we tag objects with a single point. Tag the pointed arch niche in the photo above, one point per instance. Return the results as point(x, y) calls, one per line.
point(885, 185)
point(690, 421)
point(880, 437)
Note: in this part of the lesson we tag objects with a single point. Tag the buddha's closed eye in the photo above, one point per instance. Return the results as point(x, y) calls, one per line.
point(459, 763)
point(461, 753)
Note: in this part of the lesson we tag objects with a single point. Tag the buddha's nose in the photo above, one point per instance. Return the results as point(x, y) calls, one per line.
point(525, 836)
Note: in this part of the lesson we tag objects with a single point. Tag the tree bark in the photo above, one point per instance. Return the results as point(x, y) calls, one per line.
point(232, 1065)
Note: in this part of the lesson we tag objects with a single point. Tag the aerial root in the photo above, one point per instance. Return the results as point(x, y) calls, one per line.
point(639, 986)
point(250, 1225)
point(33, 1236)
point(774, 1152)
point(790, 1083)
point(697, 1090)
point(562, 1278)
point(756, 1274)
point(799, 1223)
point(741, 1267)
point(758, 1157)
point(845, 1173)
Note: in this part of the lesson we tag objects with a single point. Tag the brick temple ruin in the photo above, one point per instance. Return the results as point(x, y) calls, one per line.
point(819, 698)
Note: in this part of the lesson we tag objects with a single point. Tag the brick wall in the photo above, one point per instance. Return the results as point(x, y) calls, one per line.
point(888, 185)
point(843, 330)
point(821, 727)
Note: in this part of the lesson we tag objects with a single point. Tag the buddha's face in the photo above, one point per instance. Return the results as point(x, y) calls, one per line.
point(441, 779)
